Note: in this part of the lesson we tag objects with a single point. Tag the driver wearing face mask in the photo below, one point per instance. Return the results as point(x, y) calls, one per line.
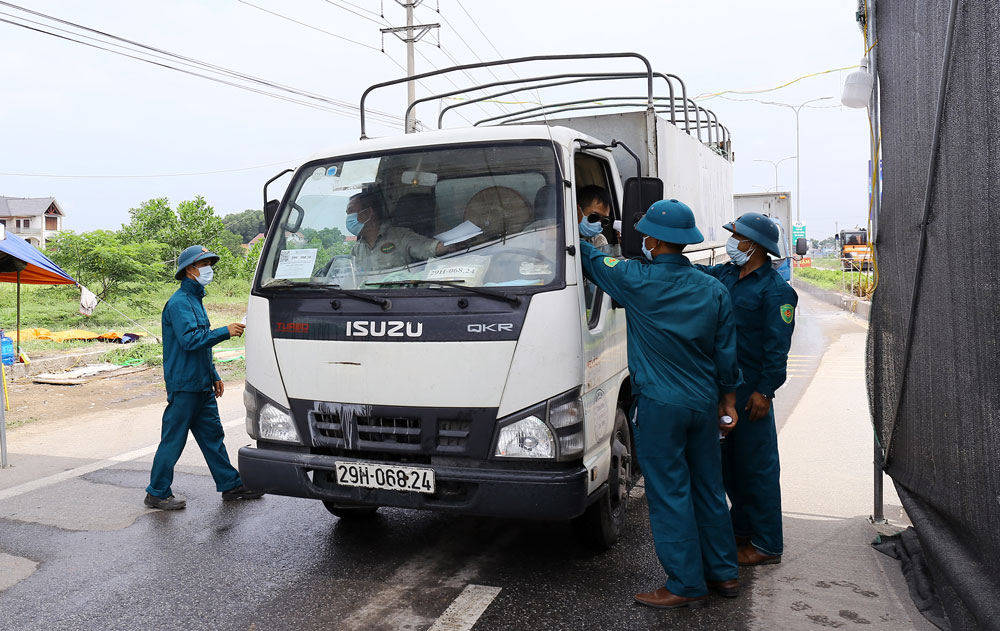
point(380, 245)
point(764, 305)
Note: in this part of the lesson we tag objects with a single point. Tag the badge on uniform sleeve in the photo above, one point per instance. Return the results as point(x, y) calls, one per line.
point(787, 313)
point(611, 261)
point(388, 248)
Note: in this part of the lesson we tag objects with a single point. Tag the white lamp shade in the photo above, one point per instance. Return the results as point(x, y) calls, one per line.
point(858, 87)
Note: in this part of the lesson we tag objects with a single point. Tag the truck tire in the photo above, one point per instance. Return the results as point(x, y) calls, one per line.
point(346, 511)
point(604, 520)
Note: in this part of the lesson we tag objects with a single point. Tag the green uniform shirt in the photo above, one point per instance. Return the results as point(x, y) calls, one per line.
point(394, 247)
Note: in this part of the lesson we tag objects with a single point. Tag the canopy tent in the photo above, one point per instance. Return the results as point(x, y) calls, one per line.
point(21, 262)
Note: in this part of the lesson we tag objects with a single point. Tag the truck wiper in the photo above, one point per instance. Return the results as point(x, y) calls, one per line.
point(385, 303)
point(496, 295)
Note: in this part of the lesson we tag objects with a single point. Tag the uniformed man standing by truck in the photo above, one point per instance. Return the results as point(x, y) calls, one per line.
point(765, 318)
point(681, 360)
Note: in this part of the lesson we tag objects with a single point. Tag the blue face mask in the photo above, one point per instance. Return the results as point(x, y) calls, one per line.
point(589, 228)
point(354, 225)
point(735, 254)
point(205, 275)
point(646, 251)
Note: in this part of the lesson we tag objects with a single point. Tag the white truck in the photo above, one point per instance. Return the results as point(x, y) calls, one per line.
point(485, 376)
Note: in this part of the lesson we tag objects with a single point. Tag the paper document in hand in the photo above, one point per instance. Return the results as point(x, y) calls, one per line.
point(462, 232)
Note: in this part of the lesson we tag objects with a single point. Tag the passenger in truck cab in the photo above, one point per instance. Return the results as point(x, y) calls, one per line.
point(590, 201)
point(380, 245)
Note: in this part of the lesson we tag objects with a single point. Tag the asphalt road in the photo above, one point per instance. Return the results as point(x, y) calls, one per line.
point(91, 557)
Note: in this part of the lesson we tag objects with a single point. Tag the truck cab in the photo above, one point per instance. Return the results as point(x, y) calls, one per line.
point(451, 356)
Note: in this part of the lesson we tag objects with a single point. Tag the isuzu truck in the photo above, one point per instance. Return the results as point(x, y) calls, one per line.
point(463, 363)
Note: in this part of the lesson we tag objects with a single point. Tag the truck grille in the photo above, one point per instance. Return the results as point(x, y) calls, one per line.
point(392, 433)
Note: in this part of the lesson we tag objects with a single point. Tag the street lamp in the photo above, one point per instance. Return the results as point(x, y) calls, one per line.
point(796, 108)
point(775, 165)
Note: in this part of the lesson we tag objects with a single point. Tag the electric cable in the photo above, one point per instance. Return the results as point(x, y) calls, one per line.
point(706, 96)
point(329, 104)
point(159, 175)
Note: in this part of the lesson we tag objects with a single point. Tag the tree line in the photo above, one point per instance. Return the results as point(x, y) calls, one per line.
point(146, 248)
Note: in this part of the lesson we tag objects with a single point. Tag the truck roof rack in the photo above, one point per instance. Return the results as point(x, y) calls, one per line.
point(679, 110)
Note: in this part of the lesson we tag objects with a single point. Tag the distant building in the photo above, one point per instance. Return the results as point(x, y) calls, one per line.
point(34, 219)
point(255, 239)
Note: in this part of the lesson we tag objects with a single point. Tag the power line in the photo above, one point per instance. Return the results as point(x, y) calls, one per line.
point(332, 102)
point(315, 28)
point(354, 12)
point(329, 104)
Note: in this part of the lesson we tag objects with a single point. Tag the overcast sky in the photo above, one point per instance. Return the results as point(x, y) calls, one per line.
point(69, 110)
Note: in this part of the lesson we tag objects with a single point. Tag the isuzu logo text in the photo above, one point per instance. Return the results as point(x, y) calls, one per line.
point(390, 328)
point(490, 328)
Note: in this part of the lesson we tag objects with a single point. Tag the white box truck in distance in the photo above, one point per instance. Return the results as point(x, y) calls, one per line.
point(456, 359)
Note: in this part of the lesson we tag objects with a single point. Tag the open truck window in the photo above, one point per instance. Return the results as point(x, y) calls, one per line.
point(479, 216)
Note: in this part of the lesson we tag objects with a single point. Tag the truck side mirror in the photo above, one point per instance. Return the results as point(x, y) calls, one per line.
point(801, 246)
point(639, 194)
point(270, 210)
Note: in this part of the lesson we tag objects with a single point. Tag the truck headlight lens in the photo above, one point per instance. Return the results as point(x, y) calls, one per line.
point(274, 423)
point(529, 437)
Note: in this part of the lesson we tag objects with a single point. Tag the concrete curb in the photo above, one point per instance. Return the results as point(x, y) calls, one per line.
point(852, 304)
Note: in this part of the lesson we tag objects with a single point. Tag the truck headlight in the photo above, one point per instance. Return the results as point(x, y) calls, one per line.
point(274, 423)
point(267, 420)
point(529, 437)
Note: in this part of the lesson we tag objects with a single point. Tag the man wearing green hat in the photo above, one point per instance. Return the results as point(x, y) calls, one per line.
point(764, 305)
point(684, 373)
point(192, 386)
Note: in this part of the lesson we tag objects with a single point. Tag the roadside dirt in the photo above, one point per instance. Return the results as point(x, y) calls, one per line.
point(40, 403)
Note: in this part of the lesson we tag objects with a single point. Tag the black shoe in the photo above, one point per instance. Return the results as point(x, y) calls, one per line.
point(164, 503)
point(241, 493)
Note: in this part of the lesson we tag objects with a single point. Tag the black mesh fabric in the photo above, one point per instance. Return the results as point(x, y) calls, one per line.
point(945, 453)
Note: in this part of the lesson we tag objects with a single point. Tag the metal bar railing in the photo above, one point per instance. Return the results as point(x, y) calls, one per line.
point(503, 62)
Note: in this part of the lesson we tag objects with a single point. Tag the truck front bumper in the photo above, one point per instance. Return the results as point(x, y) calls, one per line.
point(549, 495)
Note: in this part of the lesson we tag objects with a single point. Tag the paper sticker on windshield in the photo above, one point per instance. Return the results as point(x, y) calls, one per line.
point(296, 263)
point(454, 272)
point(787, 313)
point(529, 268)
point(610, 261)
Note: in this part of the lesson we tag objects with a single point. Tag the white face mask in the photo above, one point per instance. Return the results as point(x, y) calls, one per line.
point(646, 251)
point(205, 275)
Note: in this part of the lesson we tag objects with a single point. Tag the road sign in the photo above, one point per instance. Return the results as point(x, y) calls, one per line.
point(798, 231)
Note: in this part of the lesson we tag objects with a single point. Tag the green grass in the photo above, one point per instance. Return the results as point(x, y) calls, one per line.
point(835, 279)
point(56, 308)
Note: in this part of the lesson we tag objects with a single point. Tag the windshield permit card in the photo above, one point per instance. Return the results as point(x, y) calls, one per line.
point(529, 268)
point(296, 263)
point(467, 269)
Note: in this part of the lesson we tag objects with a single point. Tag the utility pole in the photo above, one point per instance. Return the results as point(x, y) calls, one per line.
point(410, 34)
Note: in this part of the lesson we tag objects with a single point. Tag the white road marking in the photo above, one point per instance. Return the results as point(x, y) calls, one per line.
point(463, 612)
point(82, 470)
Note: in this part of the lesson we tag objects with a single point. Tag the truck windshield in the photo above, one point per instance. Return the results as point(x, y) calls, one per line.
point(474, 215)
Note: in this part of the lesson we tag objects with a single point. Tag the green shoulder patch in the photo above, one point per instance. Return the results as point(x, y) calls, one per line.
point(611, 261)
point(787, 313)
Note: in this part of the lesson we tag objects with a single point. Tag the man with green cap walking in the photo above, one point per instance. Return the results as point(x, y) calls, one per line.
point(192, 386)
point(682, 364)
point(764, 305)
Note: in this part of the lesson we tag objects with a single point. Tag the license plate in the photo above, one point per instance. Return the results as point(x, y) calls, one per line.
point(381, 476)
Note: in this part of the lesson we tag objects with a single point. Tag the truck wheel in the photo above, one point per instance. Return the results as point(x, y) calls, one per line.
point(604, 520)
point(346, 511)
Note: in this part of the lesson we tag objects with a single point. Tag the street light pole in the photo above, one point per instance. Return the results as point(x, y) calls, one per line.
point(798, 154)
point(775, 165)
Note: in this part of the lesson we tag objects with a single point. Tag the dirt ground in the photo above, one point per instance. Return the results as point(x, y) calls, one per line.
point(38, 403)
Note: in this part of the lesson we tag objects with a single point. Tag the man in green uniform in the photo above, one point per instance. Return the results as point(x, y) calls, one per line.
point(192, 386)
point(684, 373)
point(380, 245)
point(765, 318)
